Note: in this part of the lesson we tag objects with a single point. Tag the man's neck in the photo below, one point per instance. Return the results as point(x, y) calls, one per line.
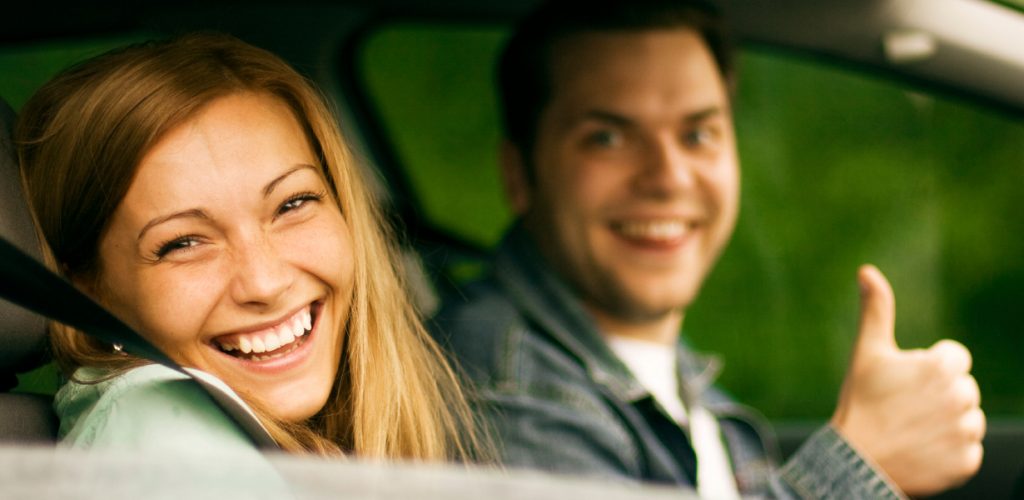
point(662, 330)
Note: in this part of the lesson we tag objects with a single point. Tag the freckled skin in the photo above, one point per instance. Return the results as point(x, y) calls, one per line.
point(253, 237)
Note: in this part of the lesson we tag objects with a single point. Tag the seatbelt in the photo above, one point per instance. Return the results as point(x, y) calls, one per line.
point(26, 282)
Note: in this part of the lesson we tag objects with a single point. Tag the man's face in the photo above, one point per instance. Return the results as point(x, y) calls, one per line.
point(636, 186)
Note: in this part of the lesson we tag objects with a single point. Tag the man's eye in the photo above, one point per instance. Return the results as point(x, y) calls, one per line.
point(700, 137)
point(178, 244)
point(605, 138)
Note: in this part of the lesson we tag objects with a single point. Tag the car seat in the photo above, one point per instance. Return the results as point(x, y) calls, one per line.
point(30, 417)
point(24, 418)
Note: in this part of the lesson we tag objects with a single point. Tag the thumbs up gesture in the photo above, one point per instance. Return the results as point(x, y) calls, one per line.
point(915, 413)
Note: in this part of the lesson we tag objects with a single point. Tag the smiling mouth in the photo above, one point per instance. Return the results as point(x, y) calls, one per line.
point(659, 231)
point(273, 342)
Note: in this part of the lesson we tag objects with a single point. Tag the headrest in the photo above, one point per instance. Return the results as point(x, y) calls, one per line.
point(22, 334)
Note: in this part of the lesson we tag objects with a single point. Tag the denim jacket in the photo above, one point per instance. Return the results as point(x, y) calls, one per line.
point(558, 399)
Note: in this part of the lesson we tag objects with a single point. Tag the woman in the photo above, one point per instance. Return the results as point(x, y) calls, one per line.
point(200, 190)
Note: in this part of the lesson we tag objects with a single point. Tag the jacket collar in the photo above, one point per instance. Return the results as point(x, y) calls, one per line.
point(548, 301)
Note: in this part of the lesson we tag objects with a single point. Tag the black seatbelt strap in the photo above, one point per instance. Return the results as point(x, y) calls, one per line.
point(26, 282)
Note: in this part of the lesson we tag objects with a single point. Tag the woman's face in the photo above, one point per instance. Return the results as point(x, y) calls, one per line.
point(230, 255)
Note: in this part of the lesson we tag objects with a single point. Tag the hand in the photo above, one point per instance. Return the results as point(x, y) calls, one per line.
point(915, 413)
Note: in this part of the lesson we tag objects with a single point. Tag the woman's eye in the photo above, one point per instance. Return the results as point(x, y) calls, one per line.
point(298, 201)
point(181, 243)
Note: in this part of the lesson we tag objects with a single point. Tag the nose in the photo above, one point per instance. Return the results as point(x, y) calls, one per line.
point(261, 275)
point(667, 170)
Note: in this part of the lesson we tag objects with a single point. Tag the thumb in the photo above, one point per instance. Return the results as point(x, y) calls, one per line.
point(877, 311)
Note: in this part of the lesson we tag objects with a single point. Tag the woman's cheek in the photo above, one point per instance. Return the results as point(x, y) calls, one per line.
point(178, 299)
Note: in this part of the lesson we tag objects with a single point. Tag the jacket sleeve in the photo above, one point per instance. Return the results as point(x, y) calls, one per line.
point(826, 466)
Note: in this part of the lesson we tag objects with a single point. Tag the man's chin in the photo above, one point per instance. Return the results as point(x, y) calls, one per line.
point(641, 316)
point(639, 307)
point(636, 314)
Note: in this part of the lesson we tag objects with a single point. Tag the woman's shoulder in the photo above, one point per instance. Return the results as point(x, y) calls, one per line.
point(149, 407)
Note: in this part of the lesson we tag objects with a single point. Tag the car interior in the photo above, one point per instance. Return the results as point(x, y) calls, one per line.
point(24, 417)
point(870, 130)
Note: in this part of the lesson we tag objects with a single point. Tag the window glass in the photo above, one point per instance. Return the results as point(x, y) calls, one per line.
point(27, 66)
point(432, 88)
point(1017, 4)
point(839, 168)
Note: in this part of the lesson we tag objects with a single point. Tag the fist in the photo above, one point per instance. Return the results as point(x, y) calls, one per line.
point(914, 413)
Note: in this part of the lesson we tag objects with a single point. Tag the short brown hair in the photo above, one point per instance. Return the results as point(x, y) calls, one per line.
point(524, 72)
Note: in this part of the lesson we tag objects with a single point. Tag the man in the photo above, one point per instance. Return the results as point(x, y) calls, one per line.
point(621, 163)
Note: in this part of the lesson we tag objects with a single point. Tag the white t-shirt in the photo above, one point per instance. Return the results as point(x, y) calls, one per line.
point(654, 366)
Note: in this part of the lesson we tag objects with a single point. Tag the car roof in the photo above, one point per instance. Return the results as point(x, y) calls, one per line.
point(970, 47)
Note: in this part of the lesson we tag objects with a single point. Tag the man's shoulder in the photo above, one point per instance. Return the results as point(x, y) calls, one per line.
point(481, 327)
point(478, 309)
point(496, 341)
point(522, 373)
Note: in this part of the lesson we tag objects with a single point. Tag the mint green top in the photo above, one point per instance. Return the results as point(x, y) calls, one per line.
point(161, 420)
point(150, 408)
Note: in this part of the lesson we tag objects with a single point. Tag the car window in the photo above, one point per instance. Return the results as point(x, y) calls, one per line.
point(25, 67)
point(1018, 4)
point(433, 92)
point(840, 167)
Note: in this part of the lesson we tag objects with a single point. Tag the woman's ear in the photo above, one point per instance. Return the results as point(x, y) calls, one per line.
point(514, 177)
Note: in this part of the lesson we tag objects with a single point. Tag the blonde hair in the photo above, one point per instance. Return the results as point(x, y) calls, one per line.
point(80, 139)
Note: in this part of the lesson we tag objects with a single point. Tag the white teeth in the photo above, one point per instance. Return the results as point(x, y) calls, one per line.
point(258, 345)
point(294, 329)
point(286, 337)
point(270, 339)
point(655, 230)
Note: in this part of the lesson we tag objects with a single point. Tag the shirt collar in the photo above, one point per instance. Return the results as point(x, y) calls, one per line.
point(548, 301)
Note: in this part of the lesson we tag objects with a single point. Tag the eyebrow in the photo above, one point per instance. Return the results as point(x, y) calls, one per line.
point(198, 213)
point(704, 114)
point(195, 213)
point(623, 120)
point(273, 184)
